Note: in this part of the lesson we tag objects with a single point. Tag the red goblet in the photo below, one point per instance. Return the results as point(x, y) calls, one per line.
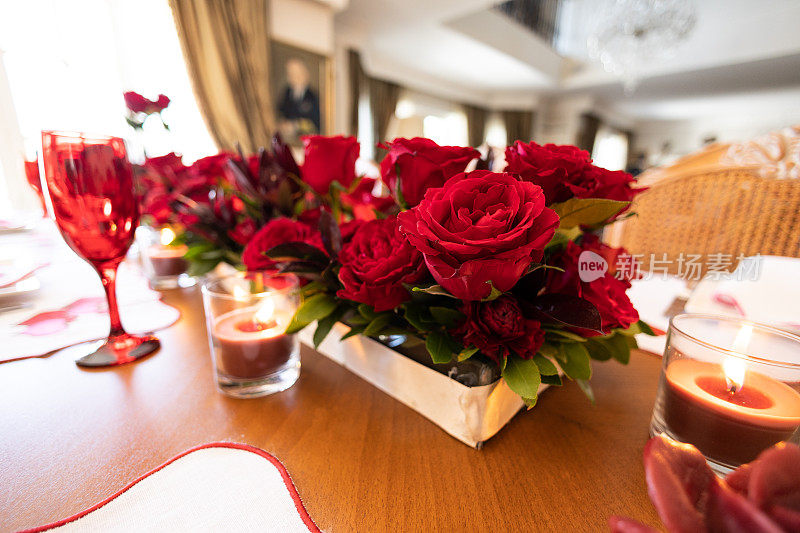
point(32, 175)
point(90, 183)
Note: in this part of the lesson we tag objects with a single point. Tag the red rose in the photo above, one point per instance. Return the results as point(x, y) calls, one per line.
point(607, 293)
point(499, 329)
point(244, 231)
point(275, 232)
point(480, 227)
point(210, 169)
point(161, 103)
point(348, 229)
point(329, 159)
point(376, 263)
point(157, 202)
point(139, 104)
point(550, 166)
point(136, 102)
point(596, 182)
point(422, 164)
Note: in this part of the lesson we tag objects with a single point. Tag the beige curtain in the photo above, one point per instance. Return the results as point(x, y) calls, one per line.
point(383, 96)
point(476, 124)
point(226, 47)
point(356, 76)
point(518, 125)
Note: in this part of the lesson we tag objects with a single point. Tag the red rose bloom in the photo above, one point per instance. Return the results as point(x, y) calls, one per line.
point(348, 229)
point(244, 231)
point(210, 169)
point(136, 102)
point(499, 329)
point(550, 166)
point(162, 102)
point(598, 182)
point(139, 104)
point(275, 232)
point(422, 164)
point(480, 227)
point(329, 159)
point(376, 263)
point(607, 293)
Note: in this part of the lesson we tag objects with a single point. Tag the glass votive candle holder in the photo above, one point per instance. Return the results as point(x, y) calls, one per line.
point(162, 261)
point(247, 315)
point(729, 386)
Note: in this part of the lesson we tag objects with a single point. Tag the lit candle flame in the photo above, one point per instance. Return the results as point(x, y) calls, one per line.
point(167, 236)
point(265, 314)
point(734, 374)
point(107, 208)
point(734, 367)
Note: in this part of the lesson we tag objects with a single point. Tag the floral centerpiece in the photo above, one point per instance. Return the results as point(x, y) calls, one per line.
point(502, 266)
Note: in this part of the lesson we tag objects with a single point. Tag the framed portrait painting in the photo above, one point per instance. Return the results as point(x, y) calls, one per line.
point(300, 92)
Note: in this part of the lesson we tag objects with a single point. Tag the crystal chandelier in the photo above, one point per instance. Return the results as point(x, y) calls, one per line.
point(633, 33)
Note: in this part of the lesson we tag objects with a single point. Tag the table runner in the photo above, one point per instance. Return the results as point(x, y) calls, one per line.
point(220, 486)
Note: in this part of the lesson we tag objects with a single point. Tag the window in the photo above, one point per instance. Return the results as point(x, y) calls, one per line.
point(610, 149)
point(68, 63)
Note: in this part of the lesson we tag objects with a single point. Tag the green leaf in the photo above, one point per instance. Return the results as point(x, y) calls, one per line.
point(576, 362)
point(565, 335)
point(439, 346)
point(314, 308)
point(433, 289)
point(620, 350)
point(413, 315)
point(200, 268)
point(546, 366)
point(598, 350)
point(377, 324)
point(587, 211)
point(324, 325)
point(646, 329)
point(523, 377)
point(548, 350)
point(552, 380)
point(466, 353)
point(195, 250)
point(367, 312)
point(355, 330)
point(446, 316)
point(586, 388)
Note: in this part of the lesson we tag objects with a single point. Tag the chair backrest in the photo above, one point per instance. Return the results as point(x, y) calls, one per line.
point(719, 214)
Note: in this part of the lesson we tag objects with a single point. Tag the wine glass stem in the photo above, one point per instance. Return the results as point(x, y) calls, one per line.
point(108, 275)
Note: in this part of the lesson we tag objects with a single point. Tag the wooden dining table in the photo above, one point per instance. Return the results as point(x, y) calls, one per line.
point(361, 460)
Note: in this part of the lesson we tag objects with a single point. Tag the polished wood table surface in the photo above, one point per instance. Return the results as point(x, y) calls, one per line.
point(361, 460)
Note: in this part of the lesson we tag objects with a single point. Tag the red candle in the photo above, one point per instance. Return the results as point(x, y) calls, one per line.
point(167, 260)
point(729, 418)
point(251, 342)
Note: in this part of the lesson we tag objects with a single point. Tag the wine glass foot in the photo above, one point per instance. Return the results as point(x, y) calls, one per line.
point(119, 350)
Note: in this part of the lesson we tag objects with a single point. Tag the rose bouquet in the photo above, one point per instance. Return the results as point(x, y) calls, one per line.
point(472, 264)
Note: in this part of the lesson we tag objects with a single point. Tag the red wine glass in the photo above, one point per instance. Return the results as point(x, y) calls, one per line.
point(32, 175)
point(90, 183)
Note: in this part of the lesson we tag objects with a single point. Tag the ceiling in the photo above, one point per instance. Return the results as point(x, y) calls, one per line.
point(741, 52)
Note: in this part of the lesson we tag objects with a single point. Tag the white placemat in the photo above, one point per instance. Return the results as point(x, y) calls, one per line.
point(214, 487)
point(767, 289)
point(69, 305)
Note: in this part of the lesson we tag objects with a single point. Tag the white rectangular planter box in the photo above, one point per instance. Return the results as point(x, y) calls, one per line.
point(470, 414)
